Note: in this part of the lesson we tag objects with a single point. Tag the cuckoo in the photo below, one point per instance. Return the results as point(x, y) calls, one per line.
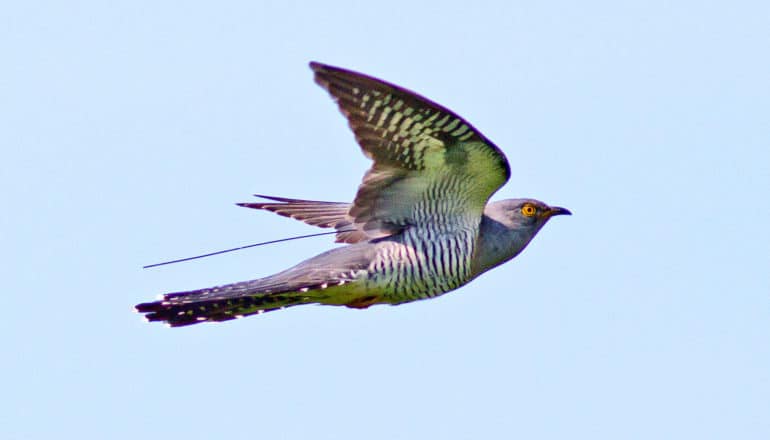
point(419, 226)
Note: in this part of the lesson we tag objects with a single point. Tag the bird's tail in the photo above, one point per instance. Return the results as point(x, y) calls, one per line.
point(332, 278)
point(220, 303)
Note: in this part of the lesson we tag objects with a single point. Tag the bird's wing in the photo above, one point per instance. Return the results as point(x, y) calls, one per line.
point(425, 156)
point(316, 213)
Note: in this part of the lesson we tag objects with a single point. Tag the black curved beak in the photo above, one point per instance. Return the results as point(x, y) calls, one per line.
point(558, 210)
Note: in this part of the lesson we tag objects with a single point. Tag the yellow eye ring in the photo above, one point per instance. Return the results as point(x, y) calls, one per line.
point(528, 210)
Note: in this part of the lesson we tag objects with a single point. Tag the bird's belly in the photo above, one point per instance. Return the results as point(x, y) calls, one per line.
point(420, 269)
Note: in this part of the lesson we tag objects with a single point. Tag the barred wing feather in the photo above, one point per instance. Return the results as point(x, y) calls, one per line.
point(422, 152)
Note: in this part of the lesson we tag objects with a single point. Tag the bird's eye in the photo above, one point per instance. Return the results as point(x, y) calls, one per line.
point(528, 210)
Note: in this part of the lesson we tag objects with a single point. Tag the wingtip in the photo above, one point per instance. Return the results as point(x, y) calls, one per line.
point(321, 69)
point(273, 198)
point(251, 205)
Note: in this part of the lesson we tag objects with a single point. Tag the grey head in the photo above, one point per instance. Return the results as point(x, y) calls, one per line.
point(507, 227)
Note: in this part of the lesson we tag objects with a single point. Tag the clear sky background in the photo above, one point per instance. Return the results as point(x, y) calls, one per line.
point(129, 129)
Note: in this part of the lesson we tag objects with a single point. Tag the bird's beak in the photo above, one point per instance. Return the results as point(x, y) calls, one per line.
point(557, 210)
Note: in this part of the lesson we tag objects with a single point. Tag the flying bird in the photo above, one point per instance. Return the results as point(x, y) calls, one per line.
point(420, 225)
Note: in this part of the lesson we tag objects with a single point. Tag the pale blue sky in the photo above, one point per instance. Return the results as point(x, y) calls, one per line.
point(129, 129)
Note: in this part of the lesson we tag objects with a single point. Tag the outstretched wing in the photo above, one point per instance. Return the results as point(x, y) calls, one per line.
point(430, 165)
point(316, 213)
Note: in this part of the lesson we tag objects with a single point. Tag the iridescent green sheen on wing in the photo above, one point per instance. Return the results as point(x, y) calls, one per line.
point(416, 145)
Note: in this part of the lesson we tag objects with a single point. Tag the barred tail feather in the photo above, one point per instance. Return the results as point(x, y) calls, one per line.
point(224, 303)
point(178, 312)
point(328, 278)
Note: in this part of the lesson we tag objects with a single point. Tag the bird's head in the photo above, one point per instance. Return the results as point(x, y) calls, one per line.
point(524, 215)
point(508, 226)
